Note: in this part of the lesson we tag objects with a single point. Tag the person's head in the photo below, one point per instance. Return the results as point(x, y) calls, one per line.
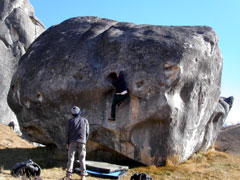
point(75, 111)
point(113, 76)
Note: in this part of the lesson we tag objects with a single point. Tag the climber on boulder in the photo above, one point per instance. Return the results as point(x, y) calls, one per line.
point(121, 92)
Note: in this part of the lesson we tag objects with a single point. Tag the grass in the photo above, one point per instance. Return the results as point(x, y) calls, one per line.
point(212, 165)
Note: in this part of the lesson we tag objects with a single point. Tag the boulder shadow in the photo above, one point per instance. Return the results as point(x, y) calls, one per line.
point(45, 157)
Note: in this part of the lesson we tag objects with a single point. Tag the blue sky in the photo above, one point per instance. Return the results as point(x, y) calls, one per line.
point(222, 15)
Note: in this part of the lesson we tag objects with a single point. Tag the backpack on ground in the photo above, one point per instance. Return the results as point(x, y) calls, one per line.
point(140, 176)
point(27, 168)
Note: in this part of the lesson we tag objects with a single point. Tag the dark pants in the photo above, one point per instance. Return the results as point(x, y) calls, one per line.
point(117, 100)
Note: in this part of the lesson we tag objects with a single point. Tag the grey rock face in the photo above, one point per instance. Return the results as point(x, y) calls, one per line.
point(216, 122)
point(173, 75)
point(228, 140)
point(18, 29)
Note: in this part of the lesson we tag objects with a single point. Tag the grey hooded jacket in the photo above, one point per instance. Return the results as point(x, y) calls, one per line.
point(77, 130)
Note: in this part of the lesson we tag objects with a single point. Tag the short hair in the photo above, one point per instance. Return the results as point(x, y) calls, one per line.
point(113, 75)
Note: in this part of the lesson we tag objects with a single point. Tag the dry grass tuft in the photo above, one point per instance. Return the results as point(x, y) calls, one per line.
point(9, 139)
point(172, 160)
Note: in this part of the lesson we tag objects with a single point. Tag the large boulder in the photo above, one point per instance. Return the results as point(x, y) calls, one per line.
point(173, 75)
point(18, 29)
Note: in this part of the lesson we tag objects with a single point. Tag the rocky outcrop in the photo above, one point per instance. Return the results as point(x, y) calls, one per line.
point(216, 122)
point(228, 140)
point(173, 75)
point(18, 29)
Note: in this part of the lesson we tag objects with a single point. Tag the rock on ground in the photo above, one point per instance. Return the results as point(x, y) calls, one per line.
point(216, 121)
point(173, 75)
point(18, 28)
point(228, 139)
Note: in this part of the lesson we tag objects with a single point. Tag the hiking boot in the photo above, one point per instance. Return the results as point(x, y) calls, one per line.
point(111, 119)
point(85, 174)
point(68, 176)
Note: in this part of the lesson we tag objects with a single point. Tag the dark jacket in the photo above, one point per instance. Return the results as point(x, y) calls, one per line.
point(77, 130)
point(119, 83)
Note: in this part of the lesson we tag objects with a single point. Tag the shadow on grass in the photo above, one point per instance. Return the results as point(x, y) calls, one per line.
point(51, 157)
point(46, 157)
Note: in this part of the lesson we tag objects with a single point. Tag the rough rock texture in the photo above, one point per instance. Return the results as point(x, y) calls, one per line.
point(216, 121)
point(228, 140)
point(18, 29)
point(173, 75)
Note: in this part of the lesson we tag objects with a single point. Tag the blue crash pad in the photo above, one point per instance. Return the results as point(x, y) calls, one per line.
point(112, 175)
